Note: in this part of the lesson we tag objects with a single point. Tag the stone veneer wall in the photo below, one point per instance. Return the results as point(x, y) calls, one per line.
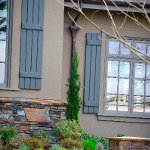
point(29, 115)
point(129, 143)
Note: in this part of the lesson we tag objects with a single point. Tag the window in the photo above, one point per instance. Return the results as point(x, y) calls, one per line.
point(127, 80)
point(5, 40)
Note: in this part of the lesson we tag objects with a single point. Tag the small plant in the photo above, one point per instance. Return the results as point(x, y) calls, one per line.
point(121, 135)
point(32, 143)
point(8, 135)
point(104, 142)
point(55, 147)
point(63, 149)
point(42, 135)
point(86, 136)
point(89, 145)
point(68, 128)
point(70, 143)
point(24, 147)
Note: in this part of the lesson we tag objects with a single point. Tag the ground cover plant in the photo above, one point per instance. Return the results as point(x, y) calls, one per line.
point(8, 135)
point(68, 128)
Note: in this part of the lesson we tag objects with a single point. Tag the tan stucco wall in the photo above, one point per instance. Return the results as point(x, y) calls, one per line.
point(52, 53)
point(89, 121)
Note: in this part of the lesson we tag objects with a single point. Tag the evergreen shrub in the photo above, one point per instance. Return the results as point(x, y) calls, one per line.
point(73, 98)
point(68, 128)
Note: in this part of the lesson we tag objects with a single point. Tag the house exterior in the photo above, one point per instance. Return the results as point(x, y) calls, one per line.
point(34, 69)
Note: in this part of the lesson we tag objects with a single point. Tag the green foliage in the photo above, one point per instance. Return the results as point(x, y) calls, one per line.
point(73, 98)
point(1, 145)
point(63, 149)
point(39, 149)
point(68, 128)
point(121, 135)
point(55, 147)
point(102, 140)
point(42, 135)
point(24, 147)
point(32, 143)
point(3, 5)
point(86, 136)
point(8, 135)
point(71, 143)
point(76, 148)
point(89, 145)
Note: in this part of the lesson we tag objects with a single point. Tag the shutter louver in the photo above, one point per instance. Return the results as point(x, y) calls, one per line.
point(92, 73)
point(31, 44)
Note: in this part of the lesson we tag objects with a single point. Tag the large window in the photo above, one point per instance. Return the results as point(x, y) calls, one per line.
point(5, 40)
point(127, 80)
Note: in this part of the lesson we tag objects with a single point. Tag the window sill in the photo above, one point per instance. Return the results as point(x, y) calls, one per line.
point(128, 119)
point(10, 89)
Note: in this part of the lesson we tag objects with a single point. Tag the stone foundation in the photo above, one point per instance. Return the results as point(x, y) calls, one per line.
point(129, 143)
point(29, 115)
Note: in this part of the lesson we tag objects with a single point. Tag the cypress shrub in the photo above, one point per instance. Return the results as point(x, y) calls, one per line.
point(73, 98)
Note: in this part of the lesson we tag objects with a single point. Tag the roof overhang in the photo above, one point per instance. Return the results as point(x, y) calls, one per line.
point(99, 5)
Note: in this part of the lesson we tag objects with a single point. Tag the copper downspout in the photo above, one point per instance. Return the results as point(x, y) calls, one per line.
point(74, 30)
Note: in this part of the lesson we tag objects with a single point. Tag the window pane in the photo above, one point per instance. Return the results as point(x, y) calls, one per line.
point(124, 50)
point(148, 72)
point(2, 72)
point(139, 70)
point(148, 50)
point(124, 69)
point(111, 102)
point(3, 28)
point(141, 47)
point(123, 86)
point(3, 10)
point(148, 88)
point(147, 104)
point(123, 103)
point(2, 50)
point(138, 87)
point(113, 47)
point(112, 85)
point(113, 68)
point(138, 104)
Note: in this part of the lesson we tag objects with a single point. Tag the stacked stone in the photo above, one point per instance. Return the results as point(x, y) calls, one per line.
point(129, 143)
point(30, 115)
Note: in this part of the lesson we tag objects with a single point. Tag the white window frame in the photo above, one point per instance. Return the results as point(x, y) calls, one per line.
point(132, 59)
point(8, 40)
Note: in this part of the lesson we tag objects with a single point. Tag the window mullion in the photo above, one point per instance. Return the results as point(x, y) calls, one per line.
point(118, 83)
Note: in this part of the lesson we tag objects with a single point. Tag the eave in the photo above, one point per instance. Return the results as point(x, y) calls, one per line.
point(98, 5)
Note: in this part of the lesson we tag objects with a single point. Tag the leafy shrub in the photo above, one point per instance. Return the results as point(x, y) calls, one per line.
point(8, 135)
point(89, 145)
point(104, 142)
point(55, 147)
point(24, 147)
point(32, 143)
point(86, 136)
point(68, 128)
point(42, 135)
point(39, 149)
point(71, 143)
point(121, 135)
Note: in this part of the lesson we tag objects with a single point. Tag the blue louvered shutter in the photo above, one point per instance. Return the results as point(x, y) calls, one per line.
point(92, 73)
point(31, 44)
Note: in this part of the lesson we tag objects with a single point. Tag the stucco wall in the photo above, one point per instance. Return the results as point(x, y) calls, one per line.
point(90, 124)
point(52, 53)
